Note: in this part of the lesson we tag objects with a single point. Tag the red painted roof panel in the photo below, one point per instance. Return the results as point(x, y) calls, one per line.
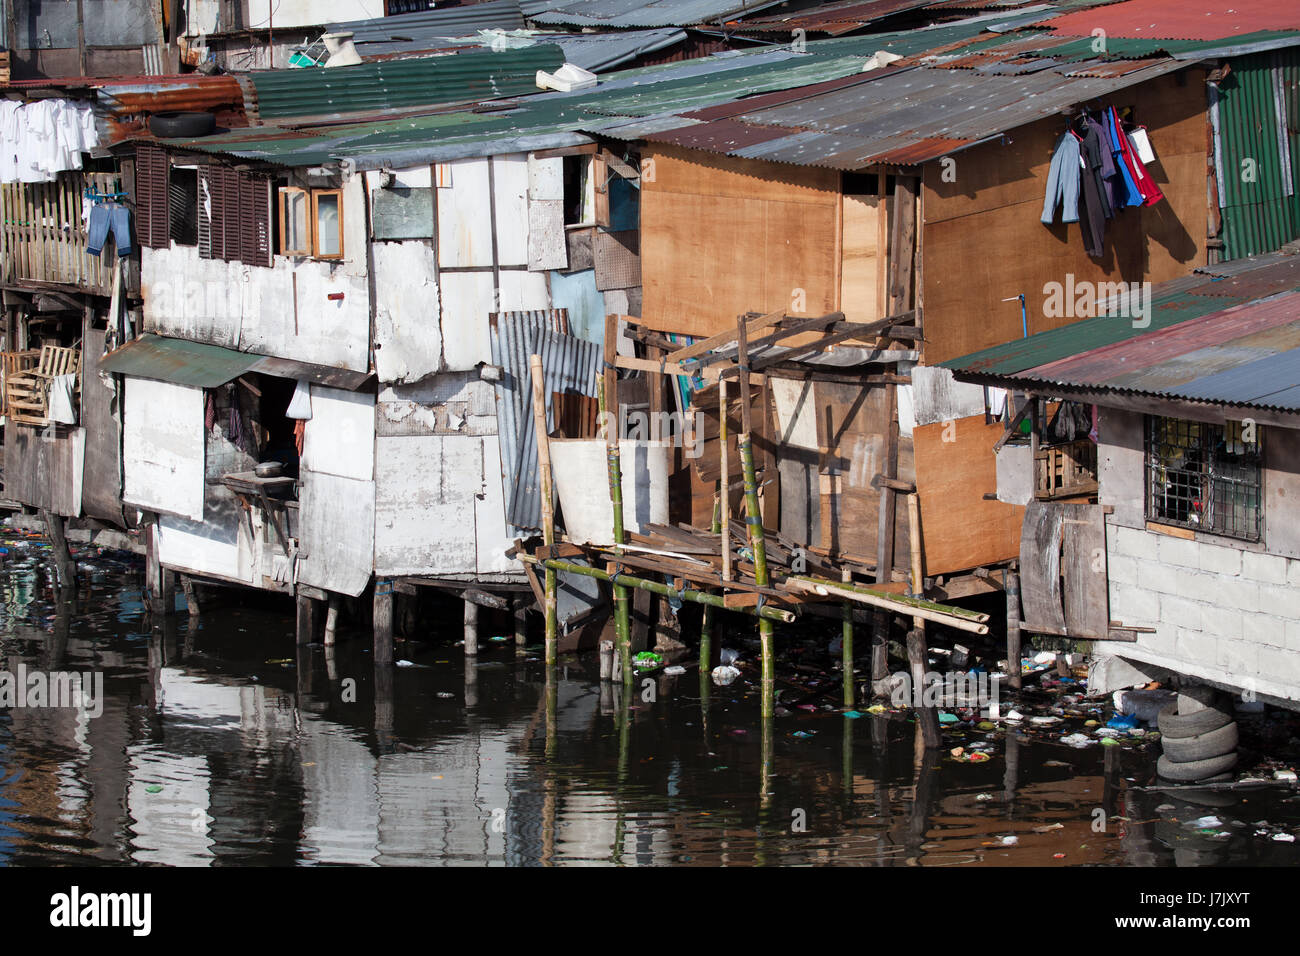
point(1180, 20)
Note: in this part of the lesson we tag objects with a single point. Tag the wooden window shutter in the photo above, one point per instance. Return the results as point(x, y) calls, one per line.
point(152, 220)
point(230, 229)
point(206, 205)
point(255, 219)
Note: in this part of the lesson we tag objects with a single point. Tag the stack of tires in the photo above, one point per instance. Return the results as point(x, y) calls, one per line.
point(1199, 747)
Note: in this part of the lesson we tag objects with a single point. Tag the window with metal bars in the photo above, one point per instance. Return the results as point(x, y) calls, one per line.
point(1206, 477)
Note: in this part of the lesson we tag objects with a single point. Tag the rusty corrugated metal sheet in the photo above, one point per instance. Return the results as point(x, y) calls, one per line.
point(720, 136)
point(1256, 283)
point(834, 19)
point(921, 151)
point(1179, 20)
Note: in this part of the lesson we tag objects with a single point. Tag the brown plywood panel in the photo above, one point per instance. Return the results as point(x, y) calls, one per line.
point(961, 529)
point(851, 427)
point(722, 237)
point(981, 228)
point(862, 266)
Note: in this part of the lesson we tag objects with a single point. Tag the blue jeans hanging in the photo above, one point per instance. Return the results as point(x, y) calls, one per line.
point(108, 217)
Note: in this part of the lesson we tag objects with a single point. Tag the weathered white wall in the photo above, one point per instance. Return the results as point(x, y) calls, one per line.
point(301, 13)
point(284, 310)
point(1223, 610)
point(211, 547)
point(408, 337)
point(163, 447)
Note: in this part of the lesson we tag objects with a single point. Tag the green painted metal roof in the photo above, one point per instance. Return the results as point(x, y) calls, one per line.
point(183, 362)
point(464, 76)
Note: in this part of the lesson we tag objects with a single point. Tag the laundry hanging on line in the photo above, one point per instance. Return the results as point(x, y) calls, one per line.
point(1097, 169)
point(41, 139)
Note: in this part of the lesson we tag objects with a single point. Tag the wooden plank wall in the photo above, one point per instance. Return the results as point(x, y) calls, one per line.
point(36, 246)
point(960, 529)
point(101, 495)
point(44, 467)
point(984, 241)
point(721, 237)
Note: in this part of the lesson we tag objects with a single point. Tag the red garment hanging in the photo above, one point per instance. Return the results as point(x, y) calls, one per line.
point(1151, 193)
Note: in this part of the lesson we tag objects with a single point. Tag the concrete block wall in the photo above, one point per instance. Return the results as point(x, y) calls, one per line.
point(1221, 612)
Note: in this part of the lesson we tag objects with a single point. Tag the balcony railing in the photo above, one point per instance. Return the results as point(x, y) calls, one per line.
point(43, 235)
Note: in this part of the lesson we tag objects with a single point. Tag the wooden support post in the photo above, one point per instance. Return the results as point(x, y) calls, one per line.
point(642, 609)
point(606, 660)
point(917, 652)
point(307, 618)
point(331, 620)
point(191, 595)
point(724, 483)
point(65, 569)
point(471, 629)
point(1013, 627)
point(846, 638)
point(609, 408)
point(885, 525)
point(521, 628)
point(383, 621)
point(754, 520)
point(551, 604)
point(706, 626)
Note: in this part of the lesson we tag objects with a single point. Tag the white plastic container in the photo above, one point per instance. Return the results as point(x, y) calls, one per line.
point(581, 473)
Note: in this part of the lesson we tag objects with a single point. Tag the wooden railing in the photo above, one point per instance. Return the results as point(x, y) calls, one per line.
point(43, 236)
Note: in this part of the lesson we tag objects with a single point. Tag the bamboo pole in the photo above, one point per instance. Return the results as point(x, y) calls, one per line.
point(754, 519)
point(609, 406)
point(551, 607)
point(628, 582)
point(1013, 628)
point(846, 639)
point(960, 618)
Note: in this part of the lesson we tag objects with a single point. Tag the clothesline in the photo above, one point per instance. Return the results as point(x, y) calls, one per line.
point(41, 139)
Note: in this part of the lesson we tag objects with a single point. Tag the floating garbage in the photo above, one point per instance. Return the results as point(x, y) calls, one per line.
point(728, 655)
point(647, 661)
point(1077, 740)
point(674, 670)
point(724, 675)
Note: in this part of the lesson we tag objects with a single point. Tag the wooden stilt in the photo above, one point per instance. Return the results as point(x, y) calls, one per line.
point(1013, 628)
point(331, 620)
point(846, 639)
point(706, 625)
point(383, 621)
point(521, 628)
point(65, 569)
point(606, 660)
point(551, 601)
point(917, 652)
point(191, 595)
point(724, 483)
point(471, 629)
point(307, 618)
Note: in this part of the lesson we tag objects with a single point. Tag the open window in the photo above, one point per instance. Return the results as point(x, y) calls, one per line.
point(1205, 476)
point(311, 222)
point(183, 205)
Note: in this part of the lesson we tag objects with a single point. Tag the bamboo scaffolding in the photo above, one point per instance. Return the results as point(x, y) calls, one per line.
point(548, 506)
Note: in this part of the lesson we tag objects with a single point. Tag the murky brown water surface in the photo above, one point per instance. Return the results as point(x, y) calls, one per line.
point(219, 744)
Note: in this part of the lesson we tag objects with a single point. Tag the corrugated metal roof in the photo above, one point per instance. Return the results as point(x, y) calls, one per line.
point(645, 13)
point(466, 76)
point(1247, 354)
point(183, 362)
point(831, 18)
point(1178, 19)
point(389, 34)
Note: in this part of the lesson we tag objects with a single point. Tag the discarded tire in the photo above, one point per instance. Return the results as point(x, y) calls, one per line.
point(1174, 724)
point(1195, 771)
point(1216, 743)
point(181, 125)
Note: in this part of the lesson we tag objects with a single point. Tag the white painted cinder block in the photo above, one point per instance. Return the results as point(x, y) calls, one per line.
point(1235, 592)
point(1293, 572)
point(1192, 645)
point(1222, 622)
point(1179, 551)
point(1239, 658)
point(1277, 599)
point(1133, 542)
point(1281, 666)
point(1219, 560)
point(1264, 629)
point(1133, 605)
point(1157, 577)
point(1122, 570)
point(1293, 635)
point(1264, 568)
point(1180, 612)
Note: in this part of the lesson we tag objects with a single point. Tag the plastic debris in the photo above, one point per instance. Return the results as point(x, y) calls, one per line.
point(674, 670)
point(724, 675)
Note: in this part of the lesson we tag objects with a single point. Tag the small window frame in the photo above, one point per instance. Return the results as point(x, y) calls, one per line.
point(316, 195)
point(284, 193)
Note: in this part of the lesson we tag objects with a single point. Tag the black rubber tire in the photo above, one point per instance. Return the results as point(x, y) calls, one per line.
point(1215, 799)
point(1195, 771)
point(181, 125)
point(1214, 744)
point(1174, 724)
